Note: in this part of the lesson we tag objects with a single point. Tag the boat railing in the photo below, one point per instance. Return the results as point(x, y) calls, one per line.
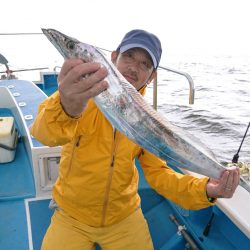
point(186, 75)
point(56, 67)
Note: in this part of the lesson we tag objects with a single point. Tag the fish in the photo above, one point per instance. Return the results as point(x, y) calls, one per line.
point(127, 110)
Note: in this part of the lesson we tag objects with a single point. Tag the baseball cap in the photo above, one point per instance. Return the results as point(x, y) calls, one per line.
point(142, 39)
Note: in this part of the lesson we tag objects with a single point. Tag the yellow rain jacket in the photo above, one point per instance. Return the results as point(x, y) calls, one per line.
point(98, 180)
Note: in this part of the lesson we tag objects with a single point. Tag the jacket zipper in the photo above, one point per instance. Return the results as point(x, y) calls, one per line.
point(77, 143)
point(108, 186)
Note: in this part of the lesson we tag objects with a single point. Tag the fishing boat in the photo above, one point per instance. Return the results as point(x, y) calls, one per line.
point(28, 170)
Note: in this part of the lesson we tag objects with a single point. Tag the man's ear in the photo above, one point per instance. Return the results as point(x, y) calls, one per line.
point(153, 76)
point(114, 56)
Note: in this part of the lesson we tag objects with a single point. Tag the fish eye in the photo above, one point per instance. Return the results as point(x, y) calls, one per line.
point(71, 45)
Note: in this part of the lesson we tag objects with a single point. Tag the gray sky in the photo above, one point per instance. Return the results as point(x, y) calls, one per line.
point(184, 26)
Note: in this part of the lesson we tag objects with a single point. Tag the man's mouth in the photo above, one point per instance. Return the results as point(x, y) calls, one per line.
point(130, 78)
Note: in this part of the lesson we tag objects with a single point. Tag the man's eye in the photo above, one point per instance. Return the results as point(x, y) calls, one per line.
point(146, 64)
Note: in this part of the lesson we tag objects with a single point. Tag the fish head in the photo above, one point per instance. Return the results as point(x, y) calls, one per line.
point(70, 47)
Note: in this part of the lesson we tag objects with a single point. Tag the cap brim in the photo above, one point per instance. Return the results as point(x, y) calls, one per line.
point(137, 45)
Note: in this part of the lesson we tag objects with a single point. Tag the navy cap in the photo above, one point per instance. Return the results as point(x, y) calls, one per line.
point(145, 40)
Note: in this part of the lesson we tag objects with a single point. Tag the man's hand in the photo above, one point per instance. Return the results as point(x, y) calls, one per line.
point(78, 82)
point(226, 185)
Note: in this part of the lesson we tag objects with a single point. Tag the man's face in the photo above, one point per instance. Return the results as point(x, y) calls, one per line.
point(135, 65)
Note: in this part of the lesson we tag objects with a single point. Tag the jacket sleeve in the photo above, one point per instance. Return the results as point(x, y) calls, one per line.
point(185, 190)
point(52, 125)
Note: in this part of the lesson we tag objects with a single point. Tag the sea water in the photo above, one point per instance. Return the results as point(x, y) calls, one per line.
point(221, 111)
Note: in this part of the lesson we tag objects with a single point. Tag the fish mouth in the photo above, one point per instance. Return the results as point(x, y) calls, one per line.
point(54, 37)
point(59, 40)
point(44, 31)
point(49, 34)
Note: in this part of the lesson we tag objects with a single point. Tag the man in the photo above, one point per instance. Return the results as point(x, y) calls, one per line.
point(95, 195)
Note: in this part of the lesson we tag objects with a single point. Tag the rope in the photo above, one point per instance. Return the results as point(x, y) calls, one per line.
point(19, 34)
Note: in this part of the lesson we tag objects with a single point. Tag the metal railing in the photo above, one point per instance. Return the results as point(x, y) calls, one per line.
point(186, 75)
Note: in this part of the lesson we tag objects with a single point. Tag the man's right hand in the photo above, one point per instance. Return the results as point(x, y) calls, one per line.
point(78, 82)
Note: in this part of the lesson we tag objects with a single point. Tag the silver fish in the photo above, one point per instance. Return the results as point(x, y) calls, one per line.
point(127, 111)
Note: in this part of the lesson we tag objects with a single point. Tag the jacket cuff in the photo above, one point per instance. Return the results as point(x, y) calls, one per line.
point(54, 104)
point(211, 200)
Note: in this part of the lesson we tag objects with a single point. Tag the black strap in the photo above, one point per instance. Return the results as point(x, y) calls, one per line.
point(15, 143)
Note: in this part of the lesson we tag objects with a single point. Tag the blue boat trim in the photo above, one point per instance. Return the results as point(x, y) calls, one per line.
point(37, 225)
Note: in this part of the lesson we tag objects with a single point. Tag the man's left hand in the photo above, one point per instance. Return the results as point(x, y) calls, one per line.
point(226, 185)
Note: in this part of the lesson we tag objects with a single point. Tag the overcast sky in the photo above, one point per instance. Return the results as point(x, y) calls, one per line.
point(184, 26)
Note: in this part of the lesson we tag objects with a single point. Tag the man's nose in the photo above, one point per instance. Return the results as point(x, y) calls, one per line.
point(135, 66)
